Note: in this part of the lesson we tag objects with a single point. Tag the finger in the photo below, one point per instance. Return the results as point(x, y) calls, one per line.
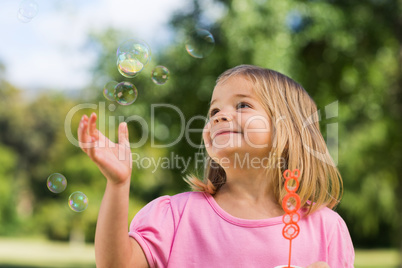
point(124, 148)
point(93, 132)
point(123, 134)
point(91, 141)
point(83, 137)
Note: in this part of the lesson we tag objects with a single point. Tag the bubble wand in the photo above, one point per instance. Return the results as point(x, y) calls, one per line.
point(291, 204)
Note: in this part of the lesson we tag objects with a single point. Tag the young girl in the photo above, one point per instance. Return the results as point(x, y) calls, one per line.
point(260, 124)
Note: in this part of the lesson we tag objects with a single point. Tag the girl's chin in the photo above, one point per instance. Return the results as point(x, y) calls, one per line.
point(227, 156)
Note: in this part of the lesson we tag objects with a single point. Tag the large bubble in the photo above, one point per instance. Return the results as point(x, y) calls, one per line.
point(125, 93)
point(132, 56)
point(200, 43)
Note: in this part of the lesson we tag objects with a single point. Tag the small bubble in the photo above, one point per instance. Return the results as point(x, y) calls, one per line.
point(56, 183)
point(108, 90)
point(125, 93)
point(200, 43)
point(23, 19)
point(78, 201)
point(160, 75)
point(28, 10)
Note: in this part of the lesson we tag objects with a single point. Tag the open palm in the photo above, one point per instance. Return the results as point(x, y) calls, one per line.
point(113, 159)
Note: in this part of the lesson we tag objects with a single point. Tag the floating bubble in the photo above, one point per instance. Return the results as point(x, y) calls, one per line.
point(132, 56)
point(125, 93)
point(56, 183)
point(160, 75)
point(78, 201)
point(108, 90)
point(200, 43)
point(23, 19)
point(28, 10)
point(129, 66)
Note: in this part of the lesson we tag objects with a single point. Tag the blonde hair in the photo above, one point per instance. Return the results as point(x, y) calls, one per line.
point(296, 138)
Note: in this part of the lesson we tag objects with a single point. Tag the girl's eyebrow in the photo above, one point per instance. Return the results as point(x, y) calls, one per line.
point(237, 95)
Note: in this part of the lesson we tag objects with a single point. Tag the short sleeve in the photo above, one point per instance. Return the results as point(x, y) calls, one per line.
point(153, 228)
point(340, 247)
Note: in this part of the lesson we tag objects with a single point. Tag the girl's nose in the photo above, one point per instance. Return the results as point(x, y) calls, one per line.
point(221, 118)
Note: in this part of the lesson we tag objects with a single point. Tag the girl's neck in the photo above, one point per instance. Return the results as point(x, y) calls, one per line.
point(248, 195)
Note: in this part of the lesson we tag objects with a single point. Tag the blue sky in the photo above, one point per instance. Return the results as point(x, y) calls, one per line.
point(47, 52)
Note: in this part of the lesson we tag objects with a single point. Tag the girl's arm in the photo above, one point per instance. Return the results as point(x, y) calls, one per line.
point(113, 246)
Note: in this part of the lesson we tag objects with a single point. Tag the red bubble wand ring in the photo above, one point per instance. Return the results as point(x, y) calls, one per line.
point(291, 204)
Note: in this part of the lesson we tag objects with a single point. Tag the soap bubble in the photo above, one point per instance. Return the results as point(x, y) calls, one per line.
point(78, 201)
point(23, 19)
point(56, 183)
point(200, 43)
point(28, 10)
point(160, 75)
point(125, 93)
point(108, 90)
point(132, 56)
point(129, 66)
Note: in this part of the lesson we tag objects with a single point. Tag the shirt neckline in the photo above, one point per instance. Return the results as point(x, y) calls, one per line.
point(239, 221)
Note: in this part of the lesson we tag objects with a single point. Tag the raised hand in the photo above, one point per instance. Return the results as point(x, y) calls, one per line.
point(112, 159)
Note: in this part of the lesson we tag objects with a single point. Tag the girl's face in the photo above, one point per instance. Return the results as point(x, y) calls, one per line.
point(238, 123)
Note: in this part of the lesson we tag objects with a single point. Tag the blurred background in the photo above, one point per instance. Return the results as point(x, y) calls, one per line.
point(343, 52)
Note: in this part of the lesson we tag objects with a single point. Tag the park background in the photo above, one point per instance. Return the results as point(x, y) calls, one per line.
point(346, 52)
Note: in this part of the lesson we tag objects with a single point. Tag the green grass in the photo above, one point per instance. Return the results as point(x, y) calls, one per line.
point(28, 253)
point(378, 258)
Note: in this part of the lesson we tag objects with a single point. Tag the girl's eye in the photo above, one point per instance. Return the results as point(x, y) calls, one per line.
point(213, 112)
point(243, 105)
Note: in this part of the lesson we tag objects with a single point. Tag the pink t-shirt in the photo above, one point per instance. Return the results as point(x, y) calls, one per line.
point(191, 230)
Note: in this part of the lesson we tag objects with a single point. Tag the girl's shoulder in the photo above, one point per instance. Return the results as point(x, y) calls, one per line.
point(177, 202)
point(328, 220)
point(325, 214)
point(182, 200)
